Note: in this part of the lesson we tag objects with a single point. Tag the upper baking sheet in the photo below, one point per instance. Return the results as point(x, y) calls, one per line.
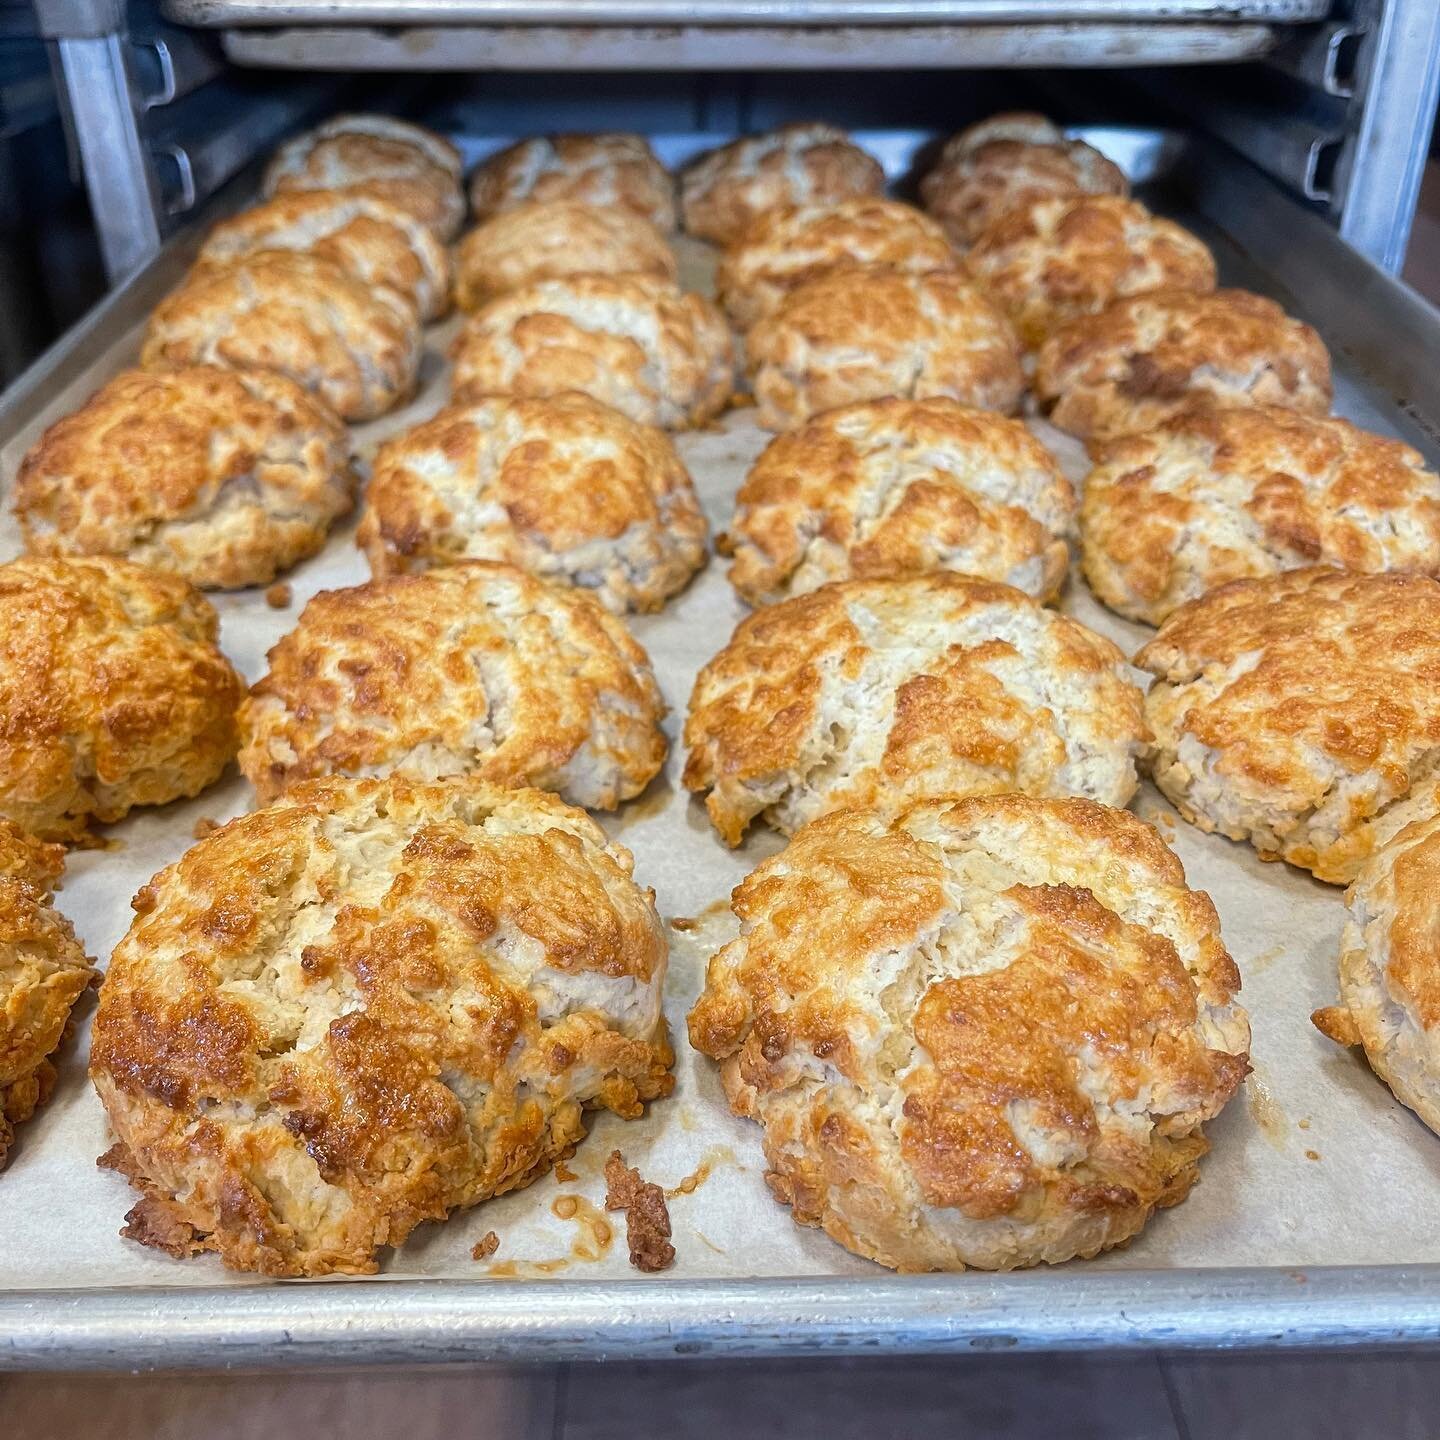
point(739, 12)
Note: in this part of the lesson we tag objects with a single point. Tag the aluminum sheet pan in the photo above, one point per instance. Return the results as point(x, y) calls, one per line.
point(1313, 1222)
point(736, 12)
point(360, 44)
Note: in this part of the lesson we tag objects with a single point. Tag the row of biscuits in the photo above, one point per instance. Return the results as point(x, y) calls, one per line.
point(377, 624)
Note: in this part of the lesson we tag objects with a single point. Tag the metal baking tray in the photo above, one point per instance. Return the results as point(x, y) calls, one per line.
point(1312, 1224)
point(584, 13)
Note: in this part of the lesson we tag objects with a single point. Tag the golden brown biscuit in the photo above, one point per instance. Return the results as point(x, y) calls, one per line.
point(552, 240)
point(632, 342)
point(1006, 163)
point(566, 488)
point(1294, 711)
point(786, 248)
point(379, 244)
point(868, 334)
point(366, 1006)
point(878, 692)
point(724, 191)
point(890, 486)
point(356, 348)
point(393, 160)
point(1144, 359)
point(43, 971)
point(604, 169)
point(225, 477)
point(1218, 494)
point(474, 670)
point(981, 1033)
point(113, 692)
point(1389, 961)
point(1057, 259)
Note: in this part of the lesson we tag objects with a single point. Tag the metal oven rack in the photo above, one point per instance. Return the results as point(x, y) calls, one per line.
point(1333, 97)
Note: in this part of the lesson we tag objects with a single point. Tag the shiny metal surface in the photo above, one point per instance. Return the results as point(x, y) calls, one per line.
point(734, 12)
point(445, 1322)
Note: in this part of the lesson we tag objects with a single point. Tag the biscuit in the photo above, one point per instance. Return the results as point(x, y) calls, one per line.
point(880, 692)
point(984, 1033)
point(604, 169)
point(1146, 358)
point(890, 486)
point(1295, 710)
point(393, 160)
point(552, 240)
point(225, 477)
point(1219, 494)
point(723, 191)
point(1389, 964)
point(366, 1006)
point(566, 488)
point(356, 348)
point(786, 248)
point(632, 342)
point(43, 971)
point(1068, 256)
point(868, 334)
point(113, 693)
point(379, 244)
point(474, 670)
point(1008, 163)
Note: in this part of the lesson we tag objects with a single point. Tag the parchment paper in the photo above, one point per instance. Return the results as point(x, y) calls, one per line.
point(1313, 1164)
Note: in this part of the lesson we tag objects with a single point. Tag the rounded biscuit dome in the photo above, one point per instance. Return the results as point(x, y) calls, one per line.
point(879, 692)
point(632, 342)
point(379, 244)
point(356, 348)
point(225, 477)
point(724, 191)
point(603, 169)
point(990, 170)
point(984, 1033)
point(1143, 359)
point(786, 248)
point(367, 1006)
point(890, 486)
point(566, 488)
point(1296, 710)
point(393, 160)
point(1067, 256)
point(474, 670)
point(113, 692)
point(1219, 494)
point(869, 334)
point(552, 240)
point(1389, 964)
point(43, 971)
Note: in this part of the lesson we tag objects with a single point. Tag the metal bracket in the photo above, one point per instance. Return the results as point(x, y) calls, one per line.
point(1324, 56)
point(79, 19)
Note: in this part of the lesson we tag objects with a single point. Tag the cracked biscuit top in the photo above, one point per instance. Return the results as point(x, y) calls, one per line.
point(984, 1032)
point(366, 1006)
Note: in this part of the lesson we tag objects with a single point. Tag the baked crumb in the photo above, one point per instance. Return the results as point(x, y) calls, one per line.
point(563, 1173)
point(647, 1220)
point(204, 826)
point(279, 595)
point(486, 1246)
point(684, 923)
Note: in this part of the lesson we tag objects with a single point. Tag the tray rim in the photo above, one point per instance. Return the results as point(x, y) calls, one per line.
point(706, 13)
point(1388, 332)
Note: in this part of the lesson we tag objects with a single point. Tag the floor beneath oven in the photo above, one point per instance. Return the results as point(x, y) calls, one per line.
point(1040, 1398)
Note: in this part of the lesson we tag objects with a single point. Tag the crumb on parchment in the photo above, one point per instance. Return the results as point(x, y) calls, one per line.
point(486, 1246)
point(279, 595)
point(647, 1220)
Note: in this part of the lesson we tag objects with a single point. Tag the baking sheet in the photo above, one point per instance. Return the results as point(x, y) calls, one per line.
point(1311, 1146)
